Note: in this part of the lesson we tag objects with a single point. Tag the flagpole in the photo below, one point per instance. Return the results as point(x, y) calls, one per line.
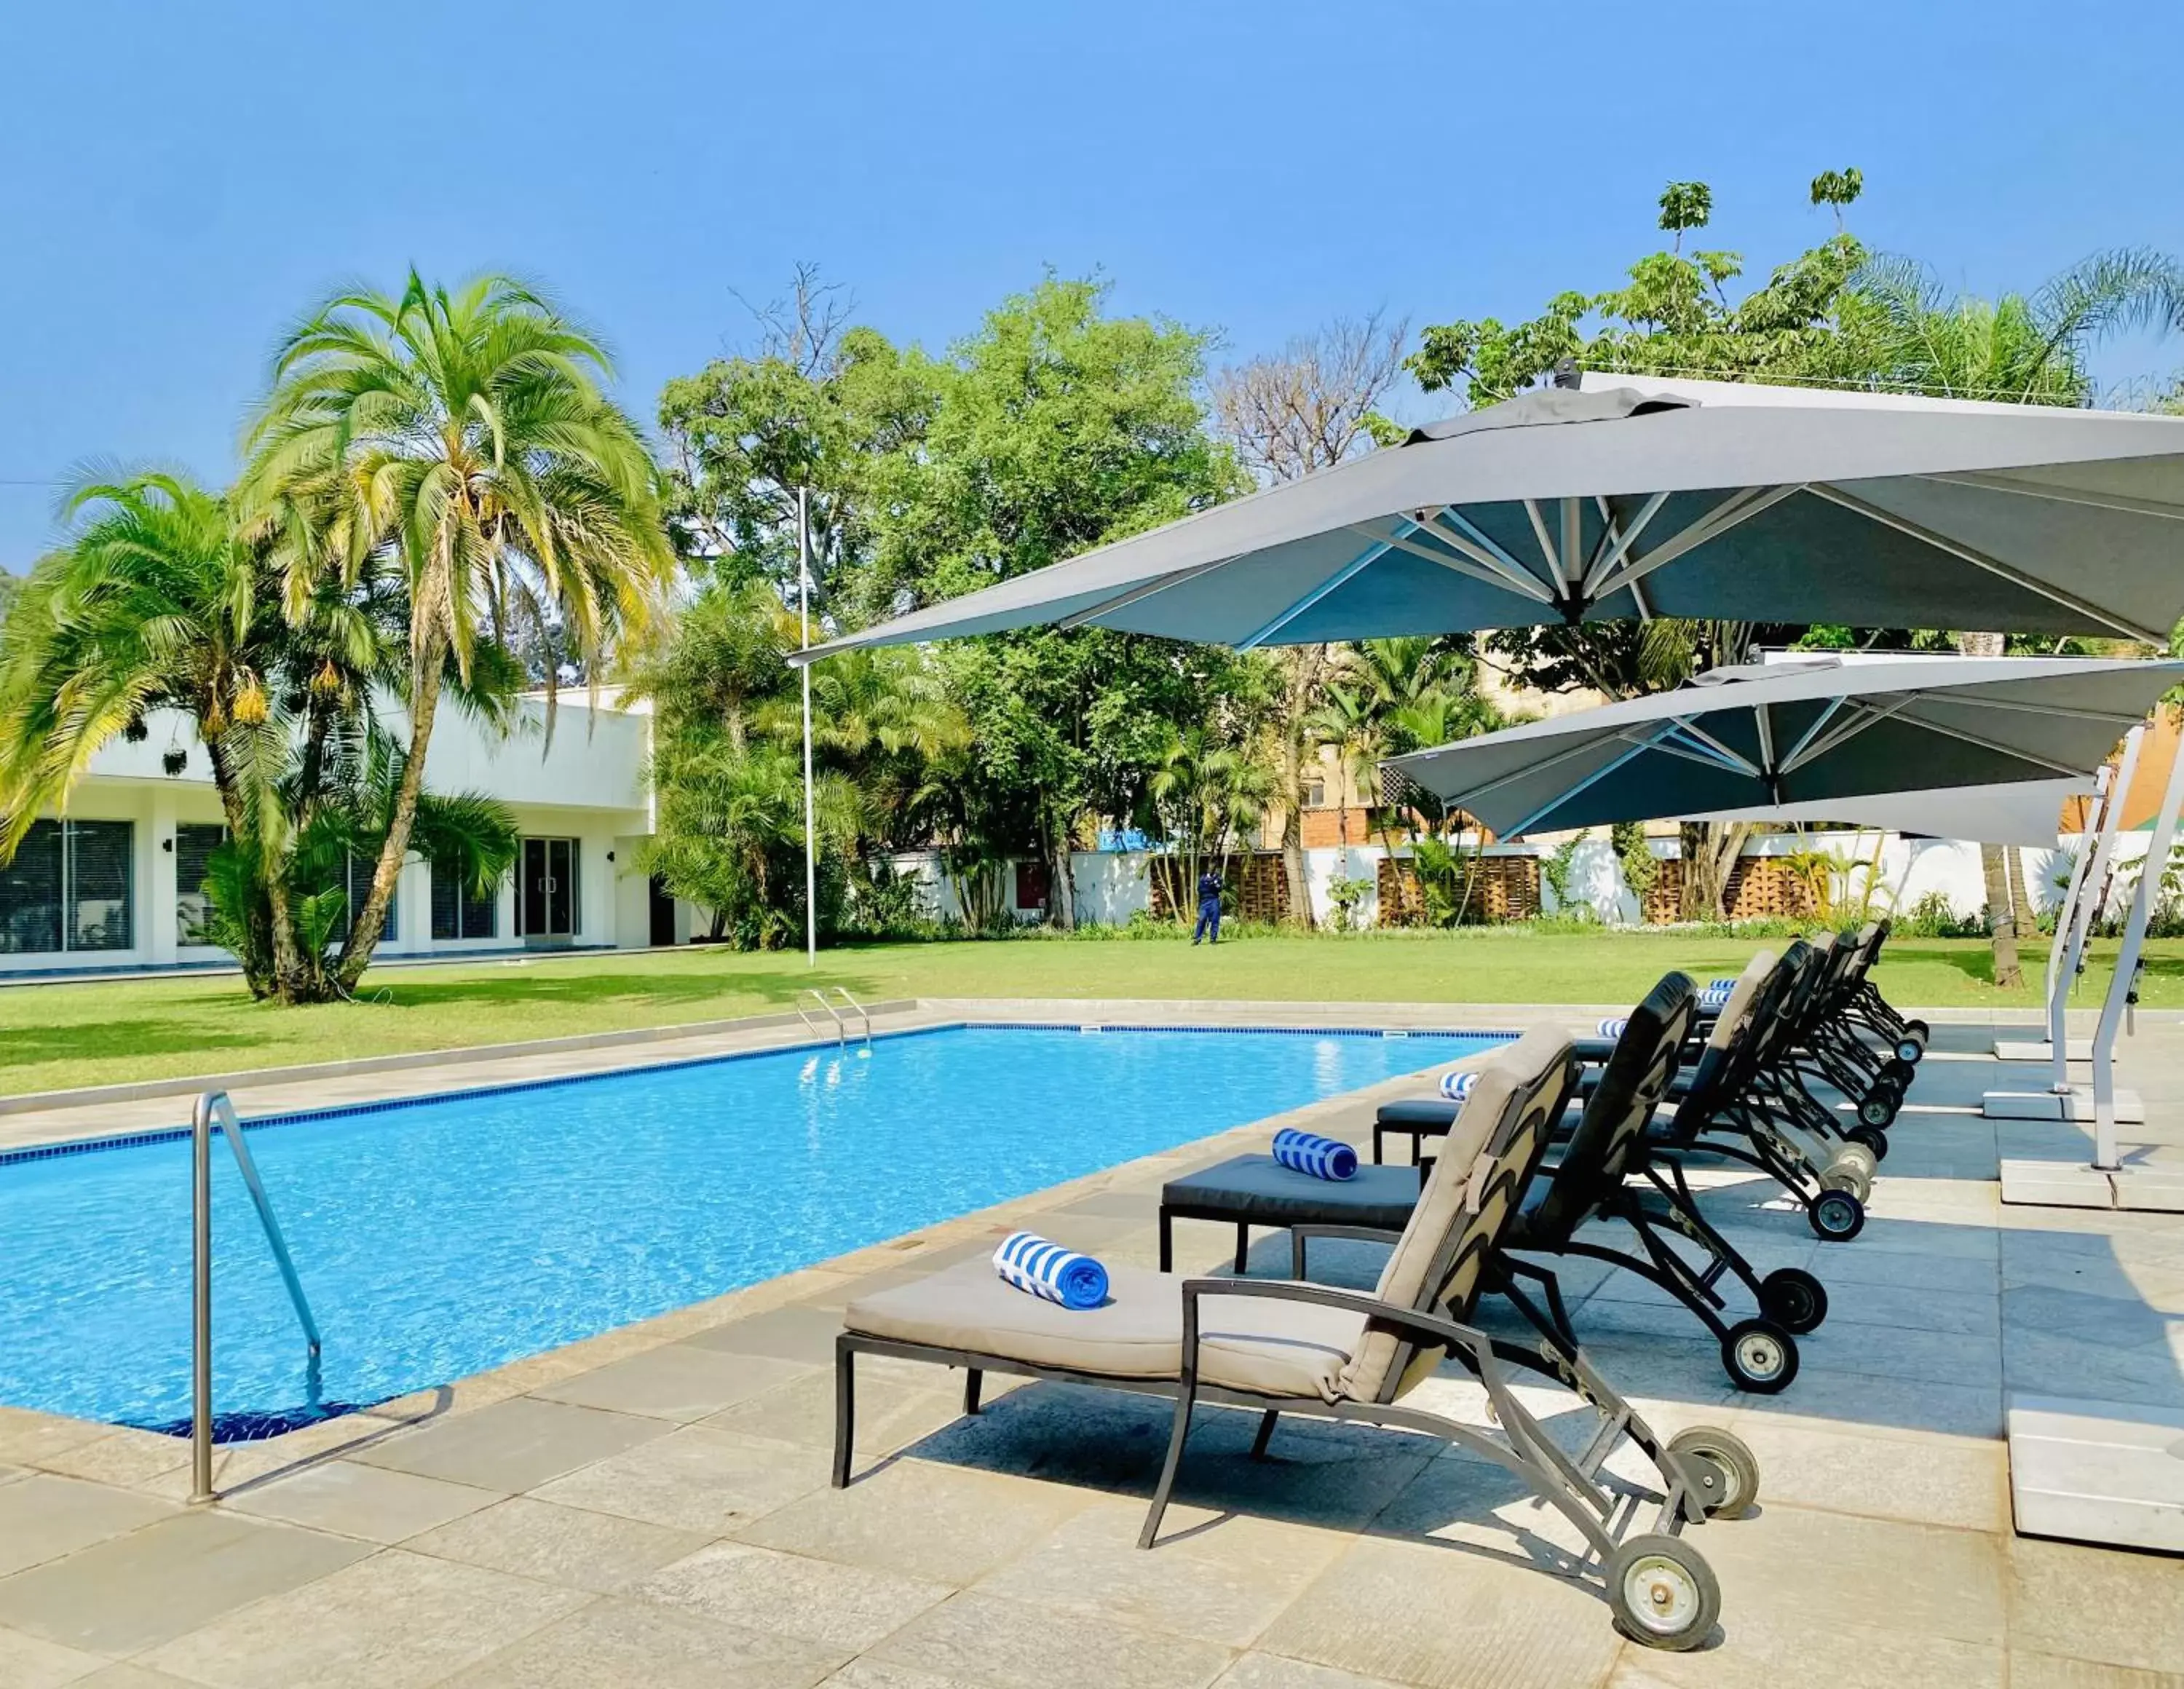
point(811, 858)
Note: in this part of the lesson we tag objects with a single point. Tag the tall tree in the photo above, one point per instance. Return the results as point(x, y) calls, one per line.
point(462, 437)
point(1313, 405)
point(1055, 427)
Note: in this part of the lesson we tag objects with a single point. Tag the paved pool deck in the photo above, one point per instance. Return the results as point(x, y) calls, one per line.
point(651, 1506)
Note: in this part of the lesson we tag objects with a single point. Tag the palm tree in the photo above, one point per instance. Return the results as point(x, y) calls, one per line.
point(463, 440)
point(154, 603)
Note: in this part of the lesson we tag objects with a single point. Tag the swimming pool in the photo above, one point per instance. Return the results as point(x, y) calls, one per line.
point(440, 1237)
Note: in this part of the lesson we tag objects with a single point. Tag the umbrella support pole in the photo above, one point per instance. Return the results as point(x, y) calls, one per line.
point(2081, 903)
point(2123, 990)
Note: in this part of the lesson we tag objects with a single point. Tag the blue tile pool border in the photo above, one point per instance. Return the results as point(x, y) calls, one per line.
point(168, 1135)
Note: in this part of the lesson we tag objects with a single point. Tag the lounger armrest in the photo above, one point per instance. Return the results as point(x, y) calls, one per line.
point(1440, 1331)
point(1359, 1234)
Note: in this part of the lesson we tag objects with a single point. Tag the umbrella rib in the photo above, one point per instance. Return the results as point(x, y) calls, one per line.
point(2062, 495)
point(1340, 577)
point(1819, 723)
point(1727, 757)
point(1475, 544)
point(1999, 749)
point(1623, 541)
point(1638, 749)
point(2064, 711)
point(1143, 590)
point(1487, 572)
point(1553, 558)
point(1980, 559)
point(1463, 799)
point(1863, 715)
point(1739, 506)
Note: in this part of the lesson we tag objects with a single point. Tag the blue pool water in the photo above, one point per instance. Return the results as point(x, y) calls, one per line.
point(440, 1239)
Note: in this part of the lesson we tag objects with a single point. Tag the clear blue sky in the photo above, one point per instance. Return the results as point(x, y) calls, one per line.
point(175, 181)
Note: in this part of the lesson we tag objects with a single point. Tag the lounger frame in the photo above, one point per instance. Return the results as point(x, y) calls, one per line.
point(1604, 1512)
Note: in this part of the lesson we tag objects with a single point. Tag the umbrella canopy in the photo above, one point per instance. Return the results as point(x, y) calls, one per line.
point(2028, 813)
point(1657, 498)
point(1763, 736)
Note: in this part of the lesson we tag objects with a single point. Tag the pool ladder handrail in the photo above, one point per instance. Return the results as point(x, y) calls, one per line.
point(841, 1032)
point(214, 1108)
point(859, 1010)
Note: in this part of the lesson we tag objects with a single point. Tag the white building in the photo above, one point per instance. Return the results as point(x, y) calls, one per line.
point(113, 884)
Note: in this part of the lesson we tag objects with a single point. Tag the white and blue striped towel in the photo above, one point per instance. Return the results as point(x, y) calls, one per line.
point(1716, 997)
point(1723, 986)
point(1321, 1157)
point(1615, 1026)
point(1457, 1086)
point(1041, 1267)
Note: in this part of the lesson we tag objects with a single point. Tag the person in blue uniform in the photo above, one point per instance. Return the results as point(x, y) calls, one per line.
point(1209, 908)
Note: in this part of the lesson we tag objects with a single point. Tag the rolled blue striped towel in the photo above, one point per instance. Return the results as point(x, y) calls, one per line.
point(1723, 986)
point(1321, 1157)
point(1457, 1086)
point(1041, 1267)
point(1615, 1026)
point(1715, 997)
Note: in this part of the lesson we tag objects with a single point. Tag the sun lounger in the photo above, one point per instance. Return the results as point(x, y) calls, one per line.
point(1606, 1149)
point(1276, 1347)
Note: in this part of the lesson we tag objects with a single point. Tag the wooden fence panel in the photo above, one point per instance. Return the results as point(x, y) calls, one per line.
point(1508, 888)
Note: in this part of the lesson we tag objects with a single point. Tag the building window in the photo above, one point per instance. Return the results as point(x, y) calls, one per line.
point(357, 882)
point(1315, 796)
point(194, 844)
point(70, 889)
point(456, 914)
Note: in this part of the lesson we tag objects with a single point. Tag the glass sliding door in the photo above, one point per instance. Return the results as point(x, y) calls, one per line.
point(548, 897)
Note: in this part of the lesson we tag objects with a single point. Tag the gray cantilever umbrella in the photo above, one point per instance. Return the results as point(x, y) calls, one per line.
point(1764, 736)
point(1700, 499)
point(2028, 812)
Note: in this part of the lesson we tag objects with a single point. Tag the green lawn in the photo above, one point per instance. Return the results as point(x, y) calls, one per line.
point(61, 1035)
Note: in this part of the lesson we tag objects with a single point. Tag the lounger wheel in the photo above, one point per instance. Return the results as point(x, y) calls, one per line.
point(1896, 1074)
point(1877, 1109)
point(1869, 1135)
point(1794, 1300)
point(1920, 1030)
point(1759, 1356)
point(1662, 1592)
point(1734, 1469)
point(1908, 1051)
point(1837, 1216)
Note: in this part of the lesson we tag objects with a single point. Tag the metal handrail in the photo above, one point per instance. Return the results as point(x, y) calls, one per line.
point(216, 1108)
point(860, 1011)
point(841, 1029)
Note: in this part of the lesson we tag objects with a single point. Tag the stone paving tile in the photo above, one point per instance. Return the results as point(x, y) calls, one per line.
point(1875, 1407)
point(1222, 1579)
point(693, 1480)
point(796, 1333)
point(1917, 1307)
point(617, 1642)
point(570, 1545)
point(43, 1517)
point(178, 1574)
point(1272, 1671)
point(822, 1602)
point(2029, 1670)
point(32, 1662)
point(1923, 1581)
point(1933, 1479)
point(2089, 1603)
point(890, 1415)
point(511, 1445)
point(1853, 1263)
point(1416, 1613)
point(978, 1639)
point(29, 1439)
point(1758, 1648)
point(922, 1520)
point(2036, 1360)
point(873, 1674)
point(125, 1458)
point(395, 1618)
point(678, 1381)
point(376, 1504)
point(128, 1676)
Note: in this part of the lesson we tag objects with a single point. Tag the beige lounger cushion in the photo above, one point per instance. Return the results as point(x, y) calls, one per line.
point(1452, 1203)
point(1738, 1009)
point(1271, 1348)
